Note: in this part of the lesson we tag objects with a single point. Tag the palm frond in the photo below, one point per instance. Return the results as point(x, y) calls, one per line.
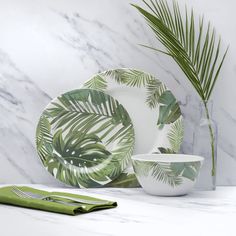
point(76, 113)
point(164, 150)
point(70, 175)
point(125, 180)
point(116, 74)
point(78, 148)
point(175, 135)
point(160, 171)
point(187, 170)
point(97, 82)
point(163, 172)
point(169, 110)
point(44, 138)
point(131, 77)
point(92, 139)
point(193, 46)
point(155, 89)
point(135, 78)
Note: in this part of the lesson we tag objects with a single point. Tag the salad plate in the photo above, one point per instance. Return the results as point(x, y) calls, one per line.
point(85, 138)
point(153, 108)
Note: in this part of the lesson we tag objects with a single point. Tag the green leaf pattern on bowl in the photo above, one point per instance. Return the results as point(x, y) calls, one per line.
point(172, 174)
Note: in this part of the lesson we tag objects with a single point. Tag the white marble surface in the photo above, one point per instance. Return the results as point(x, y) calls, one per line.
point(197, 214)
point(48, 47)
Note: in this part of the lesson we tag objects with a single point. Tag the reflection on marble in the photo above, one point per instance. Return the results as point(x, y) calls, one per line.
point(199, 213)
point(48, 47)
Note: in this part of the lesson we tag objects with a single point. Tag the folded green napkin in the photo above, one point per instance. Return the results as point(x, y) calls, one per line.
point(9, 197)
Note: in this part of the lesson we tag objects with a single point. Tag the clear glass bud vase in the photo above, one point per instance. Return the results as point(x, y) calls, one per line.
point(205, 145)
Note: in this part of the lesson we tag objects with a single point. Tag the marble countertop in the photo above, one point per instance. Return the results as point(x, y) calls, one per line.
point(199, 213)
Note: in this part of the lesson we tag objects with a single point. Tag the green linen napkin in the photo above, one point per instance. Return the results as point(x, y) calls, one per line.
point(9, 197)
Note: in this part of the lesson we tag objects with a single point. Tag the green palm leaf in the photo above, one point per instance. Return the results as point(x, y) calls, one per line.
point(97, 82)
point(157, 96)
point(165, 150)
point(92, 138)
point(194, 47)
point(69, 174)
point(78, 148)
point(135, 78)
point(169, 110)
point(44, 138)
point(74, 112)
point(125, 180)
point(131, 77)
point(160, 171)
point(188, 170)
point(175, 135)
point(155, 89)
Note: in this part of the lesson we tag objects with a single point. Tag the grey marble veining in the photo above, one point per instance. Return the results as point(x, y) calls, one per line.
point(21, 102)
point(49, 47)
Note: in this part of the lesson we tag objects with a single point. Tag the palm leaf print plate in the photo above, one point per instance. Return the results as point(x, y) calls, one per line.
point(153, 109)
point(85, 138)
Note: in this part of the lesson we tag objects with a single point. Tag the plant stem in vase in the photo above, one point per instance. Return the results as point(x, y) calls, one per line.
point(213, 170)
point(194, 47)
point(205, 144)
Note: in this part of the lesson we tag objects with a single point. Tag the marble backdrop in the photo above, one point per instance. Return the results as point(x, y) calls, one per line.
point(48, 47)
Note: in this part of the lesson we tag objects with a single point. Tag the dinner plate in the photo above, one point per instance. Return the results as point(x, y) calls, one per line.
point(85, 138)
point(154, 110)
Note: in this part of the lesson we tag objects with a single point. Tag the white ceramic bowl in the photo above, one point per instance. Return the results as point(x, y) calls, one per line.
point(167, 174)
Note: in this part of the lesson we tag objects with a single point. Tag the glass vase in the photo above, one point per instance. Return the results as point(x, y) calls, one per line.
point(205, 145)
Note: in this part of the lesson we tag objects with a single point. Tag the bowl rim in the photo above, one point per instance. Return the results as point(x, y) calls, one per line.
point(169, 158)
